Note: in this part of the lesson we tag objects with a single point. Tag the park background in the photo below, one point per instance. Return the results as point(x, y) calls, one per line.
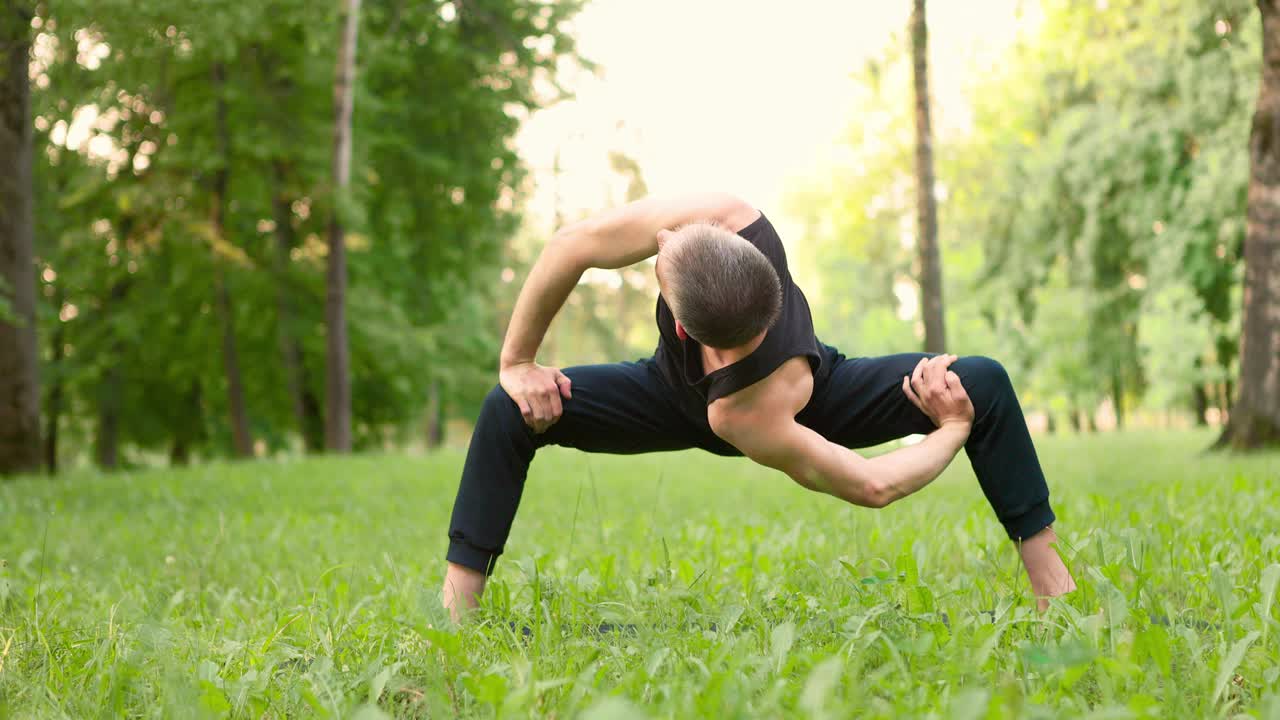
point(284, 229)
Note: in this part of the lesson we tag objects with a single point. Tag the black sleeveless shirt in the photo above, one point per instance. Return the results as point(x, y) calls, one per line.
point(790, 336)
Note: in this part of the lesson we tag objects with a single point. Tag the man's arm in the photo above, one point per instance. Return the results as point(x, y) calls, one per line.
point(769, 434)
point(818, 464)
point(612, 239)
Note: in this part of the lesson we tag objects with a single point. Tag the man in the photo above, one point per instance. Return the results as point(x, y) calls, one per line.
point(737, 371)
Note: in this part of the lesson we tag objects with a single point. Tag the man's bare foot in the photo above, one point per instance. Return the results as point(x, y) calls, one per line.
point(1048, 574)
point(462, 589)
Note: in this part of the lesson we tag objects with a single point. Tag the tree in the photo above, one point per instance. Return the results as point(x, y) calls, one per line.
point(338, 377)
point(19, 375)
point(222, 296)
point(1255, 418)
point(1111, 152)
point(159, 178)
point(307, 412)
point(935, 335)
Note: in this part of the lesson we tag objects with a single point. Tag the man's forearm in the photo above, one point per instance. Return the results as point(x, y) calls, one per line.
point(878, 481)
point(552, 278)
point(906, 470)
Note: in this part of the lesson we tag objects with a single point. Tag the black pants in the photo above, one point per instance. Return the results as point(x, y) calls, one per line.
point(627, 408)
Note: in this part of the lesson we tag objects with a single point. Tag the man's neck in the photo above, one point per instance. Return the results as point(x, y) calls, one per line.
point(715, 358)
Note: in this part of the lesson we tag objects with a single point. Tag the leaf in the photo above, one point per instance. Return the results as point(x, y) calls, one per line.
point(1154, 643)
point(489, 689)
point(370, 712)
point(969, 704)
point(818, 686)
point(780, 642)
point(1231, 662)
point(614, 708)
point(729, 619)
point(448, 642)
point(1267, 586)
point(542, 686)
point(654, 663)
point(378, 684)
point(207, 671)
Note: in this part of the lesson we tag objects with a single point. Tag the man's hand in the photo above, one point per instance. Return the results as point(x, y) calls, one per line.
point(938, 393)
point(537, 390)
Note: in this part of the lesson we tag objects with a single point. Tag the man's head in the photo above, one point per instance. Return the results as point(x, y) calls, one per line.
point(721, 288)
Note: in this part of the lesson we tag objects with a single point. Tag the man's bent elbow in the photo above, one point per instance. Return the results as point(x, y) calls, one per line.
point(878, 494)
point(857, 485)
point(574, 246)
point(869, 493)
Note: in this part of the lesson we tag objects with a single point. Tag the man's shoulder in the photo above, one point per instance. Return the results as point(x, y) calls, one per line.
point(761, 406)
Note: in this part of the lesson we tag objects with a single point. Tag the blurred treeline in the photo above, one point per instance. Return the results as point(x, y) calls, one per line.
point(183, 187)
point(1092, 212)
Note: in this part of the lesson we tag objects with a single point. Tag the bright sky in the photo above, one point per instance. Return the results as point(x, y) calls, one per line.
point(736, 95)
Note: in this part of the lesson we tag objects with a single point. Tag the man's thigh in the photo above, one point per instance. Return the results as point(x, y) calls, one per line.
point(862, 403)
point(621, 408)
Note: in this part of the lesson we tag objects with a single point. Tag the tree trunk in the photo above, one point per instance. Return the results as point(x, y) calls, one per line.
point(19, 361)
point(179, 452)
point(1255, 417)
point(1200, 405)
point(338, 374)
point(935, 333)
point(1199, 397)
point(306, 407)
point(313, 415)
point(435, 417)
point(106, 444)
point(53, 411)
point(1117, 399)
point(185, 435)
point(241, 438)
point(243, 442)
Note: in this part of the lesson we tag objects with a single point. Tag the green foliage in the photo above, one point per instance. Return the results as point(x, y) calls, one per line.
point(1123, 168)
point(1091, 219)
point(310, 589)
point(207, 108)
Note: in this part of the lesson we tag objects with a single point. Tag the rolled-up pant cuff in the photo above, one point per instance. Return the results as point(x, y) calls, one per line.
point(463, 553)
point(1035, 519)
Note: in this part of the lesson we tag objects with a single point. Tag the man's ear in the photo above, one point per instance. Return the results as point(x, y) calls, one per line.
point(680, 333)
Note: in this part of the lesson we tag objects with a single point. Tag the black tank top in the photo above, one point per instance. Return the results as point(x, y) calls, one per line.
point(790, 336)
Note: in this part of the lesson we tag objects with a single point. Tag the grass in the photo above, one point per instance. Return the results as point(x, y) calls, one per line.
point(310, 588)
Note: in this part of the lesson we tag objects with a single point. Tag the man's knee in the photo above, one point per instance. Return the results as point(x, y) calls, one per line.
point(500, 411)
point(984, 379)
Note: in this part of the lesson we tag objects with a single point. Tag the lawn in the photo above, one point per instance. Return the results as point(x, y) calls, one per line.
point(671, 585)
